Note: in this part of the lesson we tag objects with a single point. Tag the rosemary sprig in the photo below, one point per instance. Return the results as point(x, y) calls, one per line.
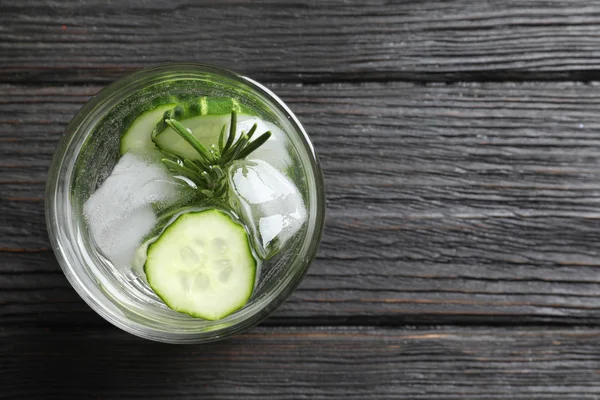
point(232, 129)
point(186, 134)
point(207, 171)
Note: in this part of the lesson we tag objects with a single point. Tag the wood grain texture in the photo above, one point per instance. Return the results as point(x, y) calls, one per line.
point(470, 206)
point(448, 203)
point(308, 41)
point(291, 363)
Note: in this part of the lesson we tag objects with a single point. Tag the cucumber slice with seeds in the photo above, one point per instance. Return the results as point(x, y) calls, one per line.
point(138, 137)
point(205, 117)
point(205, 128)
point(202, 265)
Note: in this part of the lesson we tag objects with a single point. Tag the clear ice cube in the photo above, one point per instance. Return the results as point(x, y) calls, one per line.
point(119, 213)
point(121, 241)
point(274, 150)
point(269, 203)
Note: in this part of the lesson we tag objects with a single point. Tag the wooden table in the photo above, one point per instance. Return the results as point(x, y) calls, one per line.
point(460, 142)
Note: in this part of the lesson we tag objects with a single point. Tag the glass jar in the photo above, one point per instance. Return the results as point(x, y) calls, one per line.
point(86, 155)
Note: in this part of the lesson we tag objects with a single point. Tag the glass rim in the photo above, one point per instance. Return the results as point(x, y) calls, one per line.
point(60, 177)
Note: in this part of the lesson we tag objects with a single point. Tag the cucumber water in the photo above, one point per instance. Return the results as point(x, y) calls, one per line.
point(212, 178)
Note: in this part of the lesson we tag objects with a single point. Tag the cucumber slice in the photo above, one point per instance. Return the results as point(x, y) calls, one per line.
point(137, 138)
point(198, 107)
point(205, 116)
point(206, 128)
point(202, 265)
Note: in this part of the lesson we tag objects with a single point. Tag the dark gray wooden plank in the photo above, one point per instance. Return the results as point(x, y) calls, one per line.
point(315, 363)
point(84, 40)
point(452, 203)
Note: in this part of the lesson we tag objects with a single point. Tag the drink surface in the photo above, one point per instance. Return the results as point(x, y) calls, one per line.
point(153, 216)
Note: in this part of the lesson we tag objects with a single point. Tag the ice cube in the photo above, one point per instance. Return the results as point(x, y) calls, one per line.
point(274, 150)
point(269, 203)
point(120, 242)
point(119, 214)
